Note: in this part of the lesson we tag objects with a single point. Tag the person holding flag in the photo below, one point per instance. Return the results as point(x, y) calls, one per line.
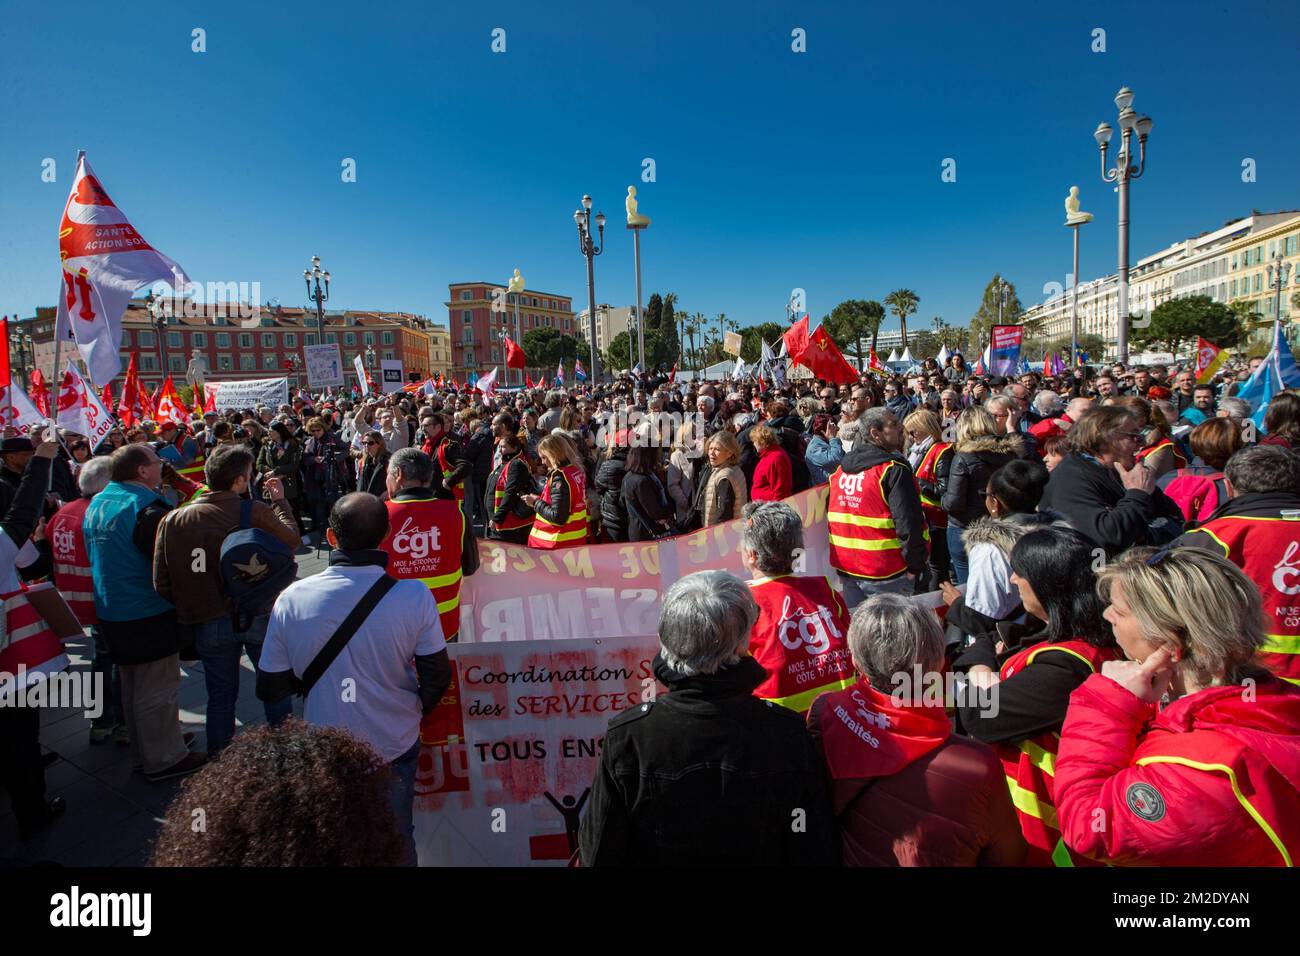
point(580, 373)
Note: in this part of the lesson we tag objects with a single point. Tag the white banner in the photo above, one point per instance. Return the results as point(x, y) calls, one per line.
point(17, 410)
point(361, 375)
point(324, 364)
point(391, 369)
point(248, 393)
point(80, 410)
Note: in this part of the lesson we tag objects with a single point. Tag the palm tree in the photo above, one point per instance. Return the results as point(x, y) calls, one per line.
point(873, 313)
point(904, 303)
point(691, 329)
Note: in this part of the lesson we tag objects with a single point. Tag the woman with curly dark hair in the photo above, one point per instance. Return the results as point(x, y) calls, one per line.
point(289, 795)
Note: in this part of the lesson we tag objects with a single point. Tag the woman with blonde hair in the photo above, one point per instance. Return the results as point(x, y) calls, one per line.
point(931, 460)
point(561, 508)
point(982, 448)
point(724, 493)
point(682, 462)
point(1189, 751)
point(773, 474)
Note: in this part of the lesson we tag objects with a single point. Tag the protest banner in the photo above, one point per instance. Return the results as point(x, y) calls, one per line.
point(731, 343)
point(324, 365)
point(391, 370)
point(247, 393)
point(1004, 356)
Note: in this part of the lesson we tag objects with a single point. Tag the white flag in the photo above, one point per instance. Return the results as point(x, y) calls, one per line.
point(361, 375)
point(488, 382)
point(104, 262)
point(944, 355)
point(80, 410)
point(17, 411)
point(739, 370)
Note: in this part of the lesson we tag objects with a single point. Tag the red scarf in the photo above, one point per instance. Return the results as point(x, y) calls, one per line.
point(866, 734)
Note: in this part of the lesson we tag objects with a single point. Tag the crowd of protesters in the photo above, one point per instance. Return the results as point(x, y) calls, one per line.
point(1110, 638)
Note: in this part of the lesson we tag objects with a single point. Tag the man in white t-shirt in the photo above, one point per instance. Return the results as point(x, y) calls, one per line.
point(394, 669)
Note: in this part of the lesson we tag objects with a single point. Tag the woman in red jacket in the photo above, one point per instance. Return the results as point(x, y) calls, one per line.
point(1212, 778)
point(907, 791)
point(773, 479)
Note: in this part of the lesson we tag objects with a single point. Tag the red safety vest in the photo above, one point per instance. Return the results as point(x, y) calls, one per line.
point(1179, 460)
point(863, 540)
point(1030, 764)
point(573, 533)
point(801, 639)
point(424, 544)
point(511, 521)
point(28, 640)
point(72, 561)
point(1268, 551)
point(934, 514)
point(457, 491)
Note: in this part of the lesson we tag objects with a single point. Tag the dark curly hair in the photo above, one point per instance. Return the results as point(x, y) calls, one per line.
point(291, 795)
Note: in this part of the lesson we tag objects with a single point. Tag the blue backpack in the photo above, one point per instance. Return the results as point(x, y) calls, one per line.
point(255, 567)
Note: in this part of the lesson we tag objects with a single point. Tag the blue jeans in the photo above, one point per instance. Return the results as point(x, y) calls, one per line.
point(855, 590)
point(403, 794)
point(220, 649)
point(103, 664)
point(957, 554)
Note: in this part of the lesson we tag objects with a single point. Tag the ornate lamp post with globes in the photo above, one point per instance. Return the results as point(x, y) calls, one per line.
point(590, 250)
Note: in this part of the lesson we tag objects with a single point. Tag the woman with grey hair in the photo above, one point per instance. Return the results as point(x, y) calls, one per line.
point(707, 774)
point(906, 791)
point(800, 636)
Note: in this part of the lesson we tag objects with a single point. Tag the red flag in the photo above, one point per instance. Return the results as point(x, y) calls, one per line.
point(40, 393)
point(528, 382)
point(672, 376)
point(106, 396)
point(541, 382)
point(4, 352)
point(197, 397)
point(515, 357)
point(170, 406)
point(796, 339)
point(210, 399)
point(874, 365)
point(131, 409)
point(824, 359)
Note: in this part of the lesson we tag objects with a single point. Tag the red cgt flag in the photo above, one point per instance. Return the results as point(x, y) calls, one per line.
point(4, 352)
point(515, 357)
point(824, 359)
point(796, 339)
point(40, 393)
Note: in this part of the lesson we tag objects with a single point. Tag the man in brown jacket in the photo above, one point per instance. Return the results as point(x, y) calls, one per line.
point(907, 791)
point(186, 572)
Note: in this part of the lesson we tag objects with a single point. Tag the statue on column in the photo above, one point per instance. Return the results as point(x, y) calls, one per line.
point(1073, 217)
point(635, 219)
point(516, 284)
point(197, 372)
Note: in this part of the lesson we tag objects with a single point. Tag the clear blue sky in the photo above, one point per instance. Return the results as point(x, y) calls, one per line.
point(774, 170)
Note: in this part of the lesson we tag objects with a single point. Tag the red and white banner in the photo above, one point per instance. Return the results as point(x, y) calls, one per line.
point(104, 262)
point(17, 410)
point(170, 406)
point(80, 410)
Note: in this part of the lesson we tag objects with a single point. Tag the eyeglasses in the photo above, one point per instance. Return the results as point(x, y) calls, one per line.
point(372, 442)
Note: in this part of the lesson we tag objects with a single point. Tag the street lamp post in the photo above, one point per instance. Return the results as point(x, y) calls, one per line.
point(640, 324)
point(25, 347)
point(318, 295)
point(1122, 173)
point(370, 359)
point(1278, 270)
point(154, 303)
point(588, 246)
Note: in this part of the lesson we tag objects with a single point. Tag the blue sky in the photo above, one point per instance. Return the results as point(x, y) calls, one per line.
point(774, 170)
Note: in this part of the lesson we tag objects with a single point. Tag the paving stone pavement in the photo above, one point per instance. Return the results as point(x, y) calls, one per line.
point(113, 812)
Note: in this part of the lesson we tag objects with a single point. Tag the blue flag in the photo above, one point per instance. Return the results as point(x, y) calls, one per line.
point(1277, 373)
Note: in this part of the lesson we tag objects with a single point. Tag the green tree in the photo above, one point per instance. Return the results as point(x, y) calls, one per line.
point(852, 322)
point(654, 312)
point(925, 344)
point(660, 349)
point(1178, 321)
point(986, 316)
point(752, 338)
point(667, 315)
point(1094, 345)
point(903, 302)
point(547, 347)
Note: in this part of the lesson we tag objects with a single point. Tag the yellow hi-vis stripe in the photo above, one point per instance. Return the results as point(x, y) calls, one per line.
point(862, 521)
point(1241, 798)
point(560, 535)
point(443, 580)
point(1281, 644)
point(1039, 757)
point(803, 700)
point(857, 544)
point(1028, 802)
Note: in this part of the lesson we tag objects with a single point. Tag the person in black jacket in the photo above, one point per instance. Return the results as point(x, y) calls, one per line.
point(478, 451)
point(518, 482)
point(981, 449)
point(708, 774)
point(374, 467)
point(609, 484)
point(792, 436)
point(648, 509)
point(1104, 492)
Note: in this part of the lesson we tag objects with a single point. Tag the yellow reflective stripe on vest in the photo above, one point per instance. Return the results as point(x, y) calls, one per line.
point(1029, 802)
point(1281, 644)
point(862, 521)
point(448, 605)
point(1042, 759)
point(857, 544)
point(1241, 797)
point(559, 535)
point(803, 700)
point(442, 580)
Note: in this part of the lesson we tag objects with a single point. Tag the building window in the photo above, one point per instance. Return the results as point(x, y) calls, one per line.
point(350, 338)
point(175, 363)
point(268, 361)
point(174, 340)
point(496, 354)
point(290, 340)
point(144, 340)
point(467, 316)
point(247, 362)
point(223, 363)
point(386, 338)
point(467, 336)
point(199, 340)
point(466, 295)
point(469, 357)
point(245, 340)
point(223, 340)
point(309, 338)
point(148, 363)
point(332, 338)
point(370, 338)
point(389, 356)
point(268, 340)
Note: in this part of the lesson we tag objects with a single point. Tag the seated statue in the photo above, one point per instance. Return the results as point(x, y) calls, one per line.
point(1073, 217)
point(516, 282)
point(634, 219)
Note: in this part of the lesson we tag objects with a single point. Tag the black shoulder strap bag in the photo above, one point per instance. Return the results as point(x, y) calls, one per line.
point(334, 646)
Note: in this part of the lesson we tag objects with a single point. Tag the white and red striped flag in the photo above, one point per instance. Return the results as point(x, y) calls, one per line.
point(104, 262)
point(80, 410)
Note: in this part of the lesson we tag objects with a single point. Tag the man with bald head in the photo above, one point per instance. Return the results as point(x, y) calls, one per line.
point(363, 681)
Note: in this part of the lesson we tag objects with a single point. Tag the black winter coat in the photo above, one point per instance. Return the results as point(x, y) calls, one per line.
point(519, 482)
point(708, 775)
point(968, 476)
point(647, 506)
point(609, 482)
point(1092, 498)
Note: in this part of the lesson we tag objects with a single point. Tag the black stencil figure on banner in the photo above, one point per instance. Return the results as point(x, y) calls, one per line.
point(571, 810)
